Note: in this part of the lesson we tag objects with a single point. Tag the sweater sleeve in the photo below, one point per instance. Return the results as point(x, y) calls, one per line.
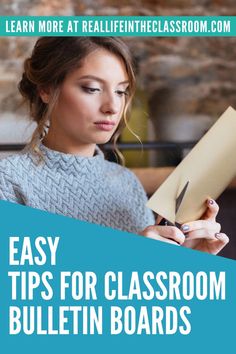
point(140, 199)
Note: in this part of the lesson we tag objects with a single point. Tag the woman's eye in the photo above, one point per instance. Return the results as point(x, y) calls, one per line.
point(122, 93)
point(90, 89)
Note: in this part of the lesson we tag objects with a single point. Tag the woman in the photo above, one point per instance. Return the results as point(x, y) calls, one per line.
point(79, 91)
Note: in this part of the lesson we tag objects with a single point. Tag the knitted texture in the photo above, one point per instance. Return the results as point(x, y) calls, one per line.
point(86, 188)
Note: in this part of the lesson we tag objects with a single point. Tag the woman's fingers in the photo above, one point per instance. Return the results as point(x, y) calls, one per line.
point(211, 211)
point(200, 229)
point(163, 239)
point(202, 233)
point(222, 238)
point(214, 246)
point(170, 234)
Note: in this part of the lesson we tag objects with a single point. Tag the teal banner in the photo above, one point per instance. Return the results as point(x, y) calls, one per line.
point(71, 286)
point(160, 26)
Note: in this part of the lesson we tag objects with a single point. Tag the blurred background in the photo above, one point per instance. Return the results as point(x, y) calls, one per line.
point(184, 85)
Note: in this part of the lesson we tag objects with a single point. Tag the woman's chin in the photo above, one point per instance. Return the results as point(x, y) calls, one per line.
point(103, 140)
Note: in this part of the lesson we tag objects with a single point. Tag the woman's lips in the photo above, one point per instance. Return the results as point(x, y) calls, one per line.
point(105, 125)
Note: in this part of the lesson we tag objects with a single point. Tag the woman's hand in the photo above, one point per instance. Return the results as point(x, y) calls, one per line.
point(169, 234)
point(204, 235)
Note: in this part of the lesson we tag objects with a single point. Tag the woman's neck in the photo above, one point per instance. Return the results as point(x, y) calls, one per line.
point(69, 147)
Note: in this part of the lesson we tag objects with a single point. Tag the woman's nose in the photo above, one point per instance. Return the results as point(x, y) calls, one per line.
point(110, 105)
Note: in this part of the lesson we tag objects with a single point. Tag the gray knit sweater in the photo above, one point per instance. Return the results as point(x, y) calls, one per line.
point(87, 188)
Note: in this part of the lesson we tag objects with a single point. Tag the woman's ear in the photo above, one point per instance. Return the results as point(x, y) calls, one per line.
point(45, 94)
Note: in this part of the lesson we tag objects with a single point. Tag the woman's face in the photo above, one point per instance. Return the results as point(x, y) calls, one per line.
point(91, 102)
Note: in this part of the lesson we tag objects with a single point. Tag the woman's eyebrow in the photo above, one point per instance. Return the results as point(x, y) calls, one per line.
point(99, 79)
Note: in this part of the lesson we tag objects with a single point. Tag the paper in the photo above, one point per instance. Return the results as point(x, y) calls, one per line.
point(209, 168)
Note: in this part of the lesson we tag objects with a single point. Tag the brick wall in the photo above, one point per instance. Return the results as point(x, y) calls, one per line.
point(183, 78)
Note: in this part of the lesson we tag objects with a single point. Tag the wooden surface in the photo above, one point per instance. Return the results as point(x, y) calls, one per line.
point(152, 177)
